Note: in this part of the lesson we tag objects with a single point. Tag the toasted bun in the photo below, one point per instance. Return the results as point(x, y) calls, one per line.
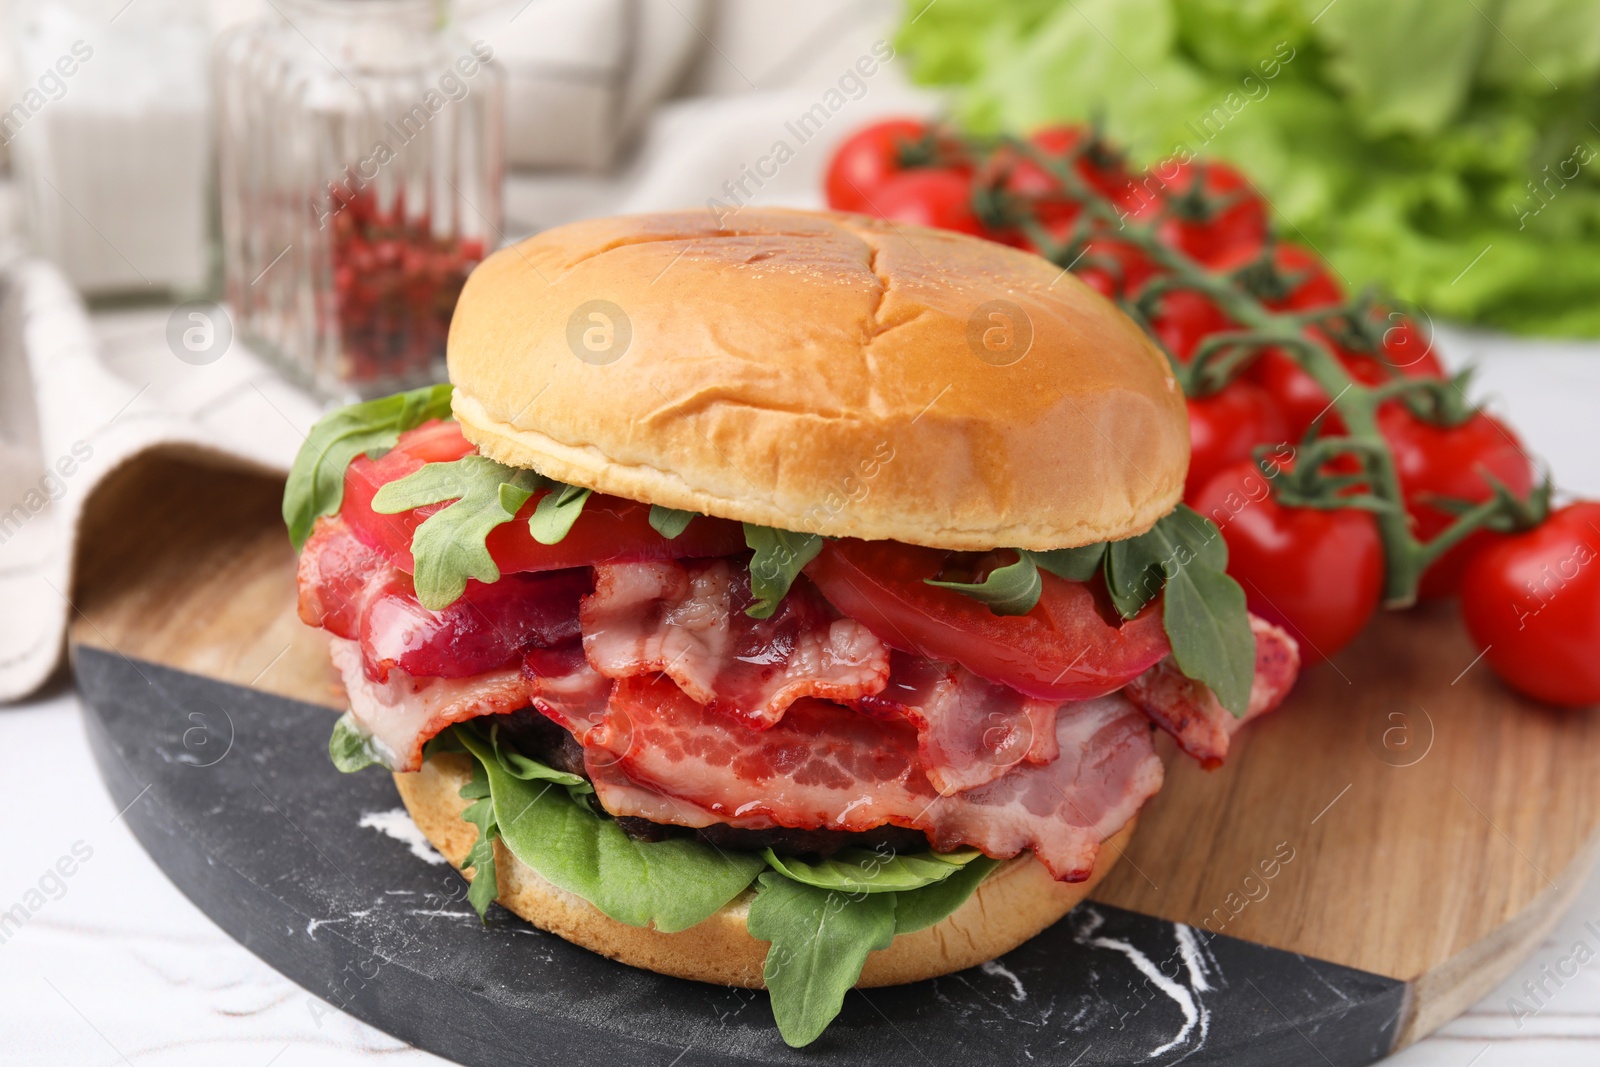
point(1010, 906)
point(824, 373)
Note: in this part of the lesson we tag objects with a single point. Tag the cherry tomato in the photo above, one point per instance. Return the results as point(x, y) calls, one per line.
point(1403, 351)
point(1318, 573)
point(867, 159)
point(1299, 396)
point(609, 528)
point(1295, 279)
point(1113, 268)
point(1532, 600)
point(1450, 461)
point(1186, 318)
point(1103, 170)
point(1070, 646)
point(1223, 220)
point(1020, 177)
point(1225, 426)
point(932, 196)
point(1407, 349)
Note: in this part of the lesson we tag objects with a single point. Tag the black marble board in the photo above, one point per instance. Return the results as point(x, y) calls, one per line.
point(230, 791)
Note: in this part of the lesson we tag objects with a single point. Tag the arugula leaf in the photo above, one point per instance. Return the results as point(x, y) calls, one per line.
point(923, 907)
point(1010, 590)
point(1072, 564)
point(820, 940)
point(669, 522)
point(316, 481)
point(351, 748)
point(1206, 620)
point(865, 870)
point(448, 548)
point(1203, 611)
point(779, 557)
point(555, 513)
point(485, 885)
point(820, 934)
point(669, 885)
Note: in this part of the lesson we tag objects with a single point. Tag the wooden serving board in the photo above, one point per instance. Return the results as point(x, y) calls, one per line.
point(1372, 858)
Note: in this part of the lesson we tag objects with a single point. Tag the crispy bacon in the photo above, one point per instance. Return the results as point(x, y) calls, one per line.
point(689, 621)
point(969, 731)
point(1189, 711)
point(353, 591)
point(402, 713)
point(563, 686)
point(339, 575)
point(826, 767)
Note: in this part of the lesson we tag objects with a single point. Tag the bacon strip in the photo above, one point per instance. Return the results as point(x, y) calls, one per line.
point(1189, 711)
point(689, 621)
point(969, 731)
point(402, 713)
point(353, 591)
point(563, 686)
point(824, 766)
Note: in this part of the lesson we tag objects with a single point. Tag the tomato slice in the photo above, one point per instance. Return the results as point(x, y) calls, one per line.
point(1066, 648)
point(610, 529)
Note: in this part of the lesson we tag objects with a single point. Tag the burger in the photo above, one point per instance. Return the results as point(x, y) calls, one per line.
point(782, 601)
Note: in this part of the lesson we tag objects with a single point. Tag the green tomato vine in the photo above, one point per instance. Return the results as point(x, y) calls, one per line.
point(1221, 357)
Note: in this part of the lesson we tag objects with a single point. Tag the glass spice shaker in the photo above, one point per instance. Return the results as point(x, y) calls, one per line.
point(361, 163)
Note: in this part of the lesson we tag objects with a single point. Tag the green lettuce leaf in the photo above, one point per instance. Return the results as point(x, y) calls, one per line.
point(351, 748)
point(864, 870)
point(822, 919)
point(449, 546)
point(669, 522)
point(1203, 610)
point(1460, 173)
point(480, 813)
point(820, 940)
point(821, 936)
point(932, 903)
point(779, 557)
point(316, 481)
point(1010, 590)
point(1072, 564)
point(668, 885)
point(555, 513)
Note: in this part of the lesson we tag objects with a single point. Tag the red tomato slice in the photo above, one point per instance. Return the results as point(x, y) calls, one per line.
point(1064, 649)
point(610, 529)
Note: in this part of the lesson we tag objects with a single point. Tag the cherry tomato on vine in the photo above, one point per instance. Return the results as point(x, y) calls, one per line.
point(1316, 572)
point(1224, 219)
point(932, 196)
point(1295, 278)
point(1302, 399)
point(1532, 600)
point(1184, 319)
point(1114, 268)
point(1451, 461)
point(1103, 170)
point(867, 159)
point(1299, 396)
point(1407, 349)
point(1029, 184)
point(1225, 426)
